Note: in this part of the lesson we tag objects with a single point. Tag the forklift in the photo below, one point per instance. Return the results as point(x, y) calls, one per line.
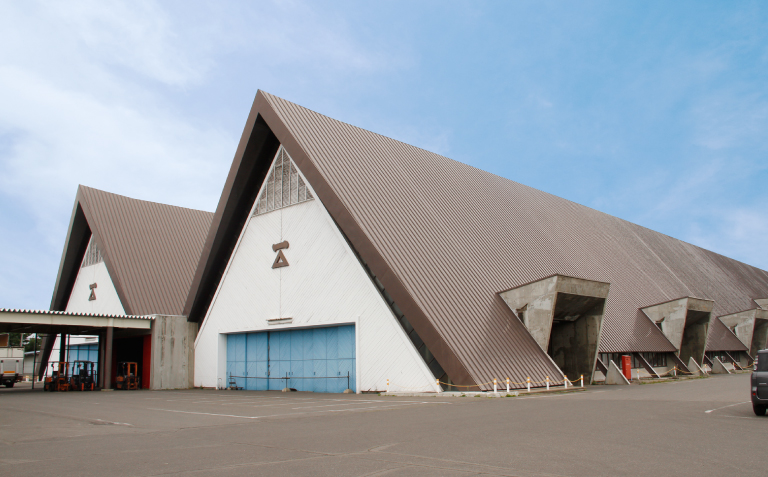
point(83, 376)
point(58, 381)
point(127, 376)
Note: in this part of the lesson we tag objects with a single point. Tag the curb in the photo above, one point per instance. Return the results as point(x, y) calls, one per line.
point(483, 394)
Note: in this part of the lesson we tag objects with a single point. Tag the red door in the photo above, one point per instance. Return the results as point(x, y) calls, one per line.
point(146, 362)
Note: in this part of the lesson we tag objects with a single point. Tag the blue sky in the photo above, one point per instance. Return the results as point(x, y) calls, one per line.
point(656, 112)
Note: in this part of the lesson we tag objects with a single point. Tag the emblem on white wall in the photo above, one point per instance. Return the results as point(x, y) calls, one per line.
point(92, 286)
point(280, 260)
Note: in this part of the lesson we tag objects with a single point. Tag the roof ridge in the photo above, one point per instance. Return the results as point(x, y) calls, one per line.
point(107, 193)
point(271, 97)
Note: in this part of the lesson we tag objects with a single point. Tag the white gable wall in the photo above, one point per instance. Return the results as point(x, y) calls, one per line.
point(323, 285)
point(106, 302)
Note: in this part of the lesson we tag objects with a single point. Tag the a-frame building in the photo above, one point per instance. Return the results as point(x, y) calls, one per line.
point(396, 265)
point(125, 256)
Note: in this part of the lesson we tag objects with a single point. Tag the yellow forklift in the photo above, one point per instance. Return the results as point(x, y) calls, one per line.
point(127, 376)
point(83, 376)
point(59, 379)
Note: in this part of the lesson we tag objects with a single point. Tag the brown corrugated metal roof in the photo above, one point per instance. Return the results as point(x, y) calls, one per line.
point(722, 339)
point(445, 238)
point(151, 250)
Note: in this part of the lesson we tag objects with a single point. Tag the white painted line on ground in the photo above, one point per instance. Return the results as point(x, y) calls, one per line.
point(225, 401)
point(270, 405)
point(295, 413)
point(206, 413)
point(362, 408)
point(114, 423)
point(352, 404)
point(387, 400)
point(730, 405)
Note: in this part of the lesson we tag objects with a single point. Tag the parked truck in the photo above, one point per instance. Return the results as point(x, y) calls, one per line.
point(11, 366)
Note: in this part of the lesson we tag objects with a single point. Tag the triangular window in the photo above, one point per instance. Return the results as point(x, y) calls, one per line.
point(284, 186)
point(92, 254)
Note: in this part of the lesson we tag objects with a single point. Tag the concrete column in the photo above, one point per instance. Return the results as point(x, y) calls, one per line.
point(173, 352)
point(100, 359)
point(108, 358)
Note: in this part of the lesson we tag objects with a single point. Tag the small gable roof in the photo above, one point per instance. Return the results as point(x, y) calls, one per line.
point(151, 250)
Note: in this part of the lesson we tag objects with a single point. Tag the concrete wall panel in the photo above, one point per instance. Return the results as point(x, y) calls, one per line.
point(673, 314)
point(173, 354)
point(536, 303)
point(742, 324)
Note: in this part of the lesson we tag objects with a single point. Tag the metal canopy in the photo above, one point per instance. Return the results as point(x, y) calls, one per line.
point(54, 322)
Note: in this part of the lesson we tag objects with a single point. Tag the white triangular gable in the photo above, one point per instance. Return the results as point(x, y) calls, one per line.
point(322, 284)
point(94, 291)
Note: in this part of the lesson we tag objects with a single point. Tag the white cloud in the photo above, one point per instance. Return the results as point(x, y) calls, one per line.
point(100, 93)
point(137, 35)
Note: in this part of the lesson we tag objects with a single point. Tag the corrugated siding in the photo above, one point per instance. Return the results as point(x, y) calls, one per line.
point(151, 249)
point(456, 236)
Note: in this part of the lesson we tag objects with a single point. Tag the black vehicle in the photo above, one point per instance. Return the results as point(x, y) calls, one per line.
point(760, 383)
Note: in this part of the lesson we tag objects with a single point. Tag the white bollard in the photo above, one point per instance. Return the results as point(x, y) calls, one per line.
point(507, 385)
point(565, 381)
point(528, 382)
point(387, 385)
point(582, 380)
point(547, 383)
point(439, 389)
point(495, 386)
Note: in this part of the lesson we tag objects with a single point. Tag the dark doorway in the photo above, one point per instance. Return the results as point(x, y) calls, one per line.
point(575, 333)
point(129, 349)
point(694, 336)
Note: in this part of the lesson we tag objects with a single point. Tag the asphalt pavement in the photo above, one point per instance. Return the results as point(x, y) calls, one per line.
point(686, 428)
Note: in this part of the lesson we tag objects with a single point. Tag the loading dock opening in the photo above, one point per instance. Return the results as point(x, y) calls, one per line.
point(750, 327)
point(137, 349)
point(575, 329)
point(759, 336)
point(163, 345)
point(685, 322)
point(53, 323)
point(694, 336)
point(564, 315)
